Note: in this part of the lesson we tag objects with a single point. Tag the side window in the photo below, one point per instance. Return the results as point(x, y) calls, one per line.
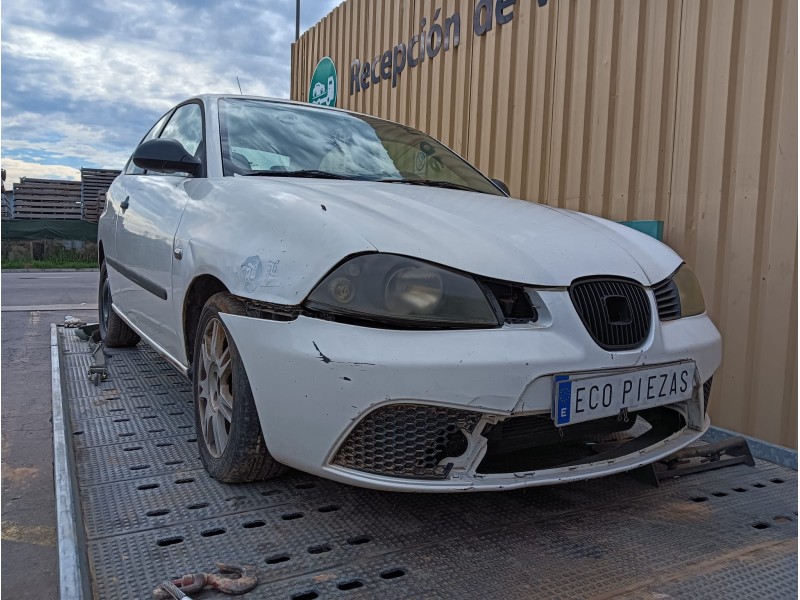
point(186, 126)
point(132, 169)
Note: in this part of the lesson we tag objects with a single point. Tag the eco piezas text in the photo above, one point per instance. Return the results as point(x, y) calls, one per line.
point(428, 43)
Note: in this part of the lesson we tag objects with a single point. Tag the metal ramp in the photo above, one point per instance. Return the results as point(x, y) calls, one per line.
point(148, 512)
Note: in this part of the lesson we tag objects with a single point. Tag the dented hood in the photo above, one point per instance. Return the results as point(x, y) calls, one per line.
point(492, 236)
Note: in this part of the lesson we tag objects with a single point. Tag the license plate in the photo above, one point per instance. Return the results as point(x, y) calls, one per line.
point(587, 396)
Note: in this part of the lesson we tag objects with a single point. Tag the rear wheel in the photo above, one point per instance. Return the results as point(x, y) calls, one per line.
point(229, 435)
point(114, 331)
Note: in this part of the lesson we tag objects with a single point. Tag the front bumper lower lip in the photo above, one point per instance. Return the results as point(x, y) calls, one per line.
point(506, 481)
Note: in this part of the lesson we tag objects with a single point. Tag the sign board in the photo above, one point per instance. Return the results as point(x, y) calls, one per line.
point(322, 88)
point(440, 34)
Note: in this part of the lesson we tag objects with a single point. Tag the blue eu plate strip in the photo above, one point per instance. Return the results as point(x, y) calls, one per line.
point(564, 392)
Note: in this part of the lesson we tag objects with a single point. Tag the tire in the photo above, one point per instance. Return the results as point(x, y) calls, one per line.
point(114, 331)
point(232, 449)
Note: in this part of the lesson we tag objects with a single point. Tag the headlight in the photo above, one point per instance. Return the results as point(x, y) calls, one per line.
point(405, 291)
point(691, 295)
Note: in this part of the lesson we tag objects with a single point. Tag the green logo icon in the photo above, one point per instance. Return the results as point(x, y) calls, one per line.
point(322, 89)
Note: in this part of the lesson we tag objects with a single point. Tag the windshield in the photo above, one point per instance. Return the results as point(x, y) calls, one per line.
point(274, 139)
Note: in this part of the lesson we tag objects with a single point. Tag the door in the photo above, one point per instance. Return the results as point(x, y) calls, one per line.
point(107, 227)
point(145, 235)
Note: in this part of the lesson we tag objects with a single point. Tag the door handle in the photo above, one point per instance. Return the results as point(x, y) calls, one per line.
point(124, 204)
point(178, 253)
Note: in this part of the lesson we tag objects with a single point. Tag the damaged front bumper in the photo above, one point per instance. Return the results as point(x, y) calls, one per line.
point(435, 411)
point(578, 460)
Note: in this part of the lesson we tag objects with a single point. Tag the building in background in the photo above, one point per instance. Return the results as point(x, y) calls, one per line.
point(681, 111)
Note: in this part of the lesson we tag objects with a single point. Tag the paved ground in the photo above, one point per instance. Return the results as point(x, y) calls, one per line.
point(28, 500)
point(47, 288)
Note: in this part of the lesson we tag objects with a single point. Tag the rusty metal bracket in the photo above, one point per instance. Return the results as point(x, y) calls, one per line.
point(698, 459)
point(244, 579)
point(97, 371)
point(725, 453)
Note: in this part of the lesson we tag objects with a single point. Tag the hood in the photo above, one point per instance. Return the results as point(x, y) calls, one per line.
point(299, 229)
point(489, 235)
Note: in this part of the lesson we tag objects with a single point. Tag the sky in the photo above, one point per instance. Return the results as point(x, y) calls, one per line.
point(84, 80)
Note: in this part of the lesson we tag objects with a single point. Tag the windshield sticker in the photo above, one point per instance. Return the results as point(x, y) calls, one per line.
point(421, 163)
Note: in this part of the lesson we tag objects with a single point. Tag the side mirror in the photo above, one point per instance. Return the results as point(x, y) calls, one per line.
point(165, 155)
point(503, 187)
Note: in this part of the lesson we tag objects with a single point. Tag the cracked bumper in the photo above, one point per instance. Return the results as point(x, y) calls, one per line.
point(314, 380)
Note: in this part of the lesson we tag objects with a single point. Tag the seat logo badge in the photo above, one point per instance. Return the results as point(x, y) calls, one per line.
point(618, 310)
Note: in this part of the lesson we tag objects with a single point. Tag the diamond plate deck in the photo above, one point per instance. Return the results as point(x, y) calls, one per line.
point(151, 512)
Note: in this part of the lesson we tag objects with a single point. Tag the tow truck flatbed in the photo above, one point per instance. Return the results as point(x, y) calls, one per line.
point(136, 508)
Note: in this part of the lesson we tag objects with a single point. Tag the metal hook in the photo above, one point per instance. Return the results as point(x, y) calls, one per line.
point(247, 578)
point(244, 579)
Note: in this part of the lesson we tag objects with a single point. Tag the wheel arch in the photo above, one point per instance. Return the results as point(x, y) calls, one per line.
point(199, 291)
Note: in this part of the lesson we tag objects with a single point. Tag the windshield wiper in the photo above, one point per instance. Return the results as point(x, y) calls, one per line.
point(309, 173)
point(429, 183)
point(316, 174)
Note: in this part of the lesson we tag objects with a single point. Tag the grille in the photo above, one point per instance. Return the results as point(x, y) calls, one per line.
point(531, 431)
point(406, 440)
point(514, 302)
point(707, 392)
point(616, 312)
point(668, 300)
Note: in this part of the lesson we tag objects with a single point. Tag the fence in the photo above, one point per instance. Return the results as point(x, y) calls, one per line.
point(49, 199)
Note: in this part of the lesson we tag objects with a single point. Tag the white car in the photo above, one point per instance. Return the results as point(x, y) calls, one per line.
point(347, 309)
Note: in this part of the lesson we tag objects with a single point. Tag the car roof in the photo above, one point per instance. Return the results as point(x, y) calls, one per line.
point(209, 99)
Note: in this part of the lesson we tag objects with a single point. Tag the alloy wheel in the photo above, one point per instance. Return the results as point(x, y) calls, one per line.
point(105, 306)
point(215, 389)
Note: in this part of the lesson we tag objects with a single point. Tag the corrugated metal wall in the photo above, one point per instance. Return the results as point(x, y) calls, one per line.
point(678, 110)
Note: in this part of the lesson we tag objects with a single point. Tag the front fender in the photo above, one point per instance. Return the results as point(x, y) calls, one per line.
point(274, 248)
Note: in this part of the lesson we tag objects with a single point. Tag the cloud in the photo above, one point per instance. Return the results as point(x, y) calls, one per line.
point(83, 80)
point(16, 169)
point(155, 77)
point(27, 133)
